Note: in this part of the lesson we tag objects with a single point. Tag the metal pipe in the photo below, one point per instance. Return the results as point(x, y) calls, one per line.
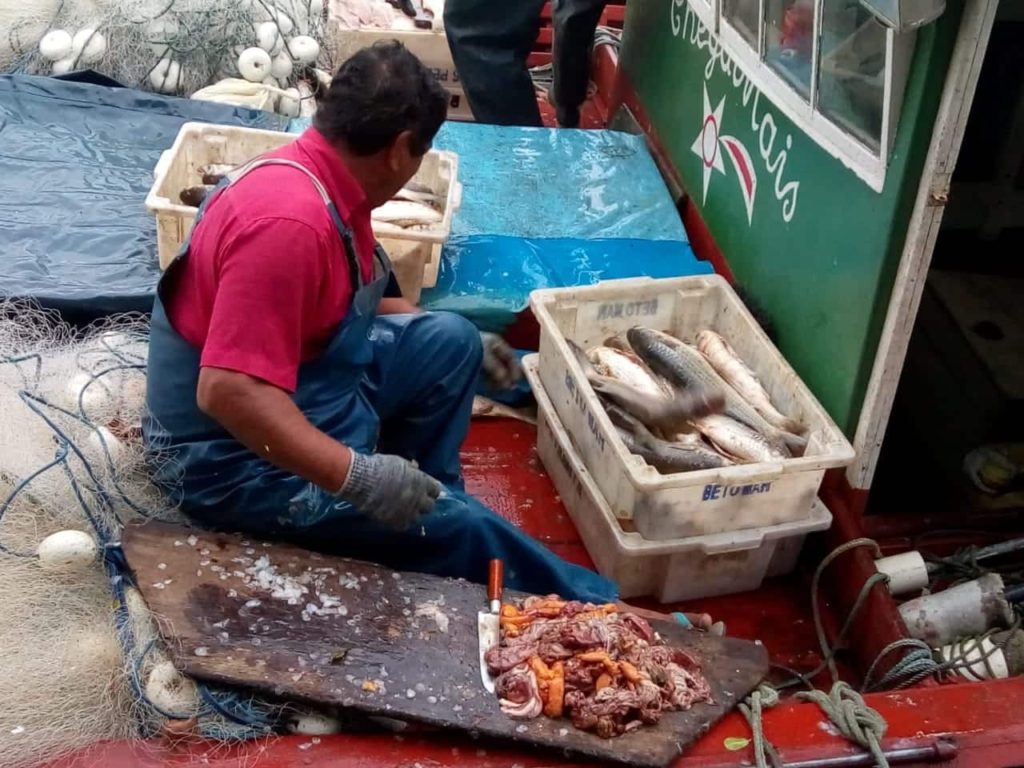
point(943, 750)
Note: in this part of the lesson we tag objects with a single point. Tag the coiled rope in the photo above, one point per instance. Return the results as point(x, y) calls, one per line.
point(845, 707)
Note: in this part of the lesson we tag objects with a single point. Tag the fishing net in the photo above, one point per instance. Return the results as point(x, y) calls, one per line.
point(77, 666)
point(169, 46)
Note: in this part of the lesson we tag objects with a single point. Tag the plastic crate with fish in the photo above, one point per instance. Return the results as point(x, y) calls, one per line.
point(200, 148)
point(730, 471)
point(675, 569)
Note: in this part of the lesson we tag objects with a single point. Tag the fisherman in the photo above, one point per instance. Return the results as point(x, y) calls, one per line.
point(293, 393)
point(490, 42)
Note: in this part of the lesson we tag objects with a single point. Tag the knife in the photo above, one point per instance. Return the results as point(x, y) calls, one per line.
point(487, 621)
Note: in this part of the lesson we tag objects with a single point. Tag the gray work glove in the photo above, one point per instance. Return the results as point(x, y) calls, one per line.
point(500, 364)
point(389, 489)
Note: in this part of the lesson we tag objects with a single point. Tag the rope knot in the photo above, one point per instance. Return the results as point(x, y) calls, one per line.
point(853, 717)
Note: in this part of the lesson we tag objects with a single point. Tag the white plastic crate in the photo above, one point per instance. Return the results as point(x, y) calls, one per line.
point(691, 503)
point(672, 570)
point(428, 45)
point(416, 255)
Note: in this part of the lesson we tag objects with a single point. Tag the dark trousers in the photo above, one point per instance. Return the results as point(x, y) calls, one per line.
point(490, 42)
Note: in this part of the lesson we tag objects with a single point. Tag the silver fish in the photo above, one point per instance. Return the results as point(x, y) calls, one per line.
point(420, 195)
point(628, 369)
point(404, 213)
point(738, 440)
point(730, 366)
point(685, 367)
point(667, 414)
point(667, 458)
point(484, 407)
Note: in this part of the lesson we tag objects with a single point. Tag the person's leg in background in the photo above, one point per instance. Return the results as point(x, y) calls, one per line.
point(575, 22)
point(490, 42)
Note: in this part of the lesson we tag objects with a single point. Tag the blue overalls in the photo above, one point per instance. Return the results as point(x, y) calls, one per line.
point(401, 384)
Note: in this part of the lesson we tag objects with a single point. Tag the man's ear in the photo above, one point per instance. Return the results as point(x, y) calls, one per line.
point(401, 151)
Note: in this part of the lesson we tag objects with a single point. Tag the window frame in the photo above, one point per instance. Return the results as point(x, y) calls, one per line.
point(870, 166)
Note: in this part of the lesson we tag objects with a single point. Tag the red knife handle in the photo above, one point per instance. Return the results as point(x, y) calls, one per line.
point(495, 577)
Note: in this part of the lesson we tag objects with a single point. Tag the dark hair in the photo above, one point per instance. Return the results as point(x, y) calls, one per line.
point(377, 94)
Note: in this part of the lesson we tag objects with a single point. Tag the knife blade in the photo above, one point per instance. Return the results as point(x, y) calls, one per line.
point(488, 621)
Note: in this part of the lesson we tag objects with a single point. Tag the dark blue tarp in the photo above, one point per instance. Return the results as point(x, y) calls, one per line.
point(76, 163)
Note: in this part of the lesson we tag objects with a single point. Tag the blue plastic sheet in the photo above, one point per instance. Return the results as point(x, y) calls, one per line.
point(489, 278)
point(76, 162)
point(545, 208)
point(542, 182)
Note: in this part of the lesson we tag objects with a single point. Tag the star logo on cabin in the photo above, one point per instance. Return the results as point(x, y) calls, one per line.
point(711, 145)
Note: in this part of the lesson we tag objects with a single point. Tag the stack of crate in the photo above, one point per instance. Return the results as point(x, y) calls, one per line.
point(685, 535)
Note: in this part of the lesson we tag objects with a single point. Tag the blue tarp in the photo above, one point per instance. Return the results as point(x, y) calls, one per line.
point(540, 208)
point(543, 208)
point(539, 182)
point(76, 163)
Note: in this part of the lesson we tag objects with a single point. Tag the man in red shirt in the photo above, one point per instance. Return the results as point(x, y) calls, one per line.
point(292, 392)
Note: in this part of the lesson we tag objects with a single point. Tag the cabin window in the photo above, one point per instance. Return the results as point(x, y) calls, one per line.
point(829, 65)
point(851, 76)
point(789, 41)
point(745, 17)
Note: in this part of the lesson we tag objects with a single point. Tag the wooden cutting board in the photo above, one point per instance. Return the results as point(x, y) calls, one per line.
point(402, 645)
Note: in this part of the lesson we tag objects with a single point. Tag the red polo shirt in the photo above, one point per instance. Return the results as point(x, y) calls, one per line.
point(267, 282)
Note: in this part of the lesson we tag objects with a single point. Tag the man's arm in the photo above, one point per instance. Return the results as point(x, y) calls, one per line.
point(265, 420)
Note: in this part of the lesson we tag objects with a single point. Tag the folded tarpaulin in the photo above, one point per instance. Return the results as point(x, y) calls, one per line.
point(76, 163)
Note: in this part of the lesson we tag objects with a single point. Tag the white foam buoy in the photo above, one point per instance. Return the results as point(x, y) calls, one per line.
point(967, 609)
point(101, 437)
point(304, 49)
point(67, 550)
point(88, 45)
point(316, 10)
point(142, 624)
point(269, 37)
point(981, 659)
point(281, 66)
point(254, 64)
point(63, 66)
point(91, 393)
point(289, 104)
point(171, 691)
point(165, 77)
point(907, 572)
point(284, 23)
point(55, 45)
point(311, 723)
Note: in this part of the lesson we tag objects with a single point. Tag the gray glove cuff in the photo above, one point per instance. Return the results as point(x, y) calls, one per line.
point(359, 483)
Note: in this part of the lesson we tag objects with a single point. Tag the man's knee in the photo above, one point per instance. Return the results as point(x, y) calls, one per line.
point(455, 338)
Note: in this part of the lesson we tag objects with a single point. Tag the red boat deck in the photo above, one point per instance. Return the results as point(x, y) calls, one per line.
point(502, 469)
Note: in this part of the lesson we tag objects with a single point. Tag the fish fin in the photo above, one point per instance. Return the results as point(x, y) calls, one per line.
point(795, 444)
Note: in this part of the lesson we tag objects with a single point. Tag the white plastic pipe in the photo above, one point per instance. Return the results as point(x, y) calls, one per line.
point(967, 609)
point(907, 572)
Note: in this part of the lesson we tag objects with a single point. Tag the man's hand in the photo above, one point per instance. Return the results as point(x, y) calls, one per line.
point(500, 364)
point(389, 489)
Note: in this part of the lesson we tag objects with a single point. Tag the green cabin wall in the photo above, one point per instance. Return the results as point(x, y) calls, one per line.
point(821, 249)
